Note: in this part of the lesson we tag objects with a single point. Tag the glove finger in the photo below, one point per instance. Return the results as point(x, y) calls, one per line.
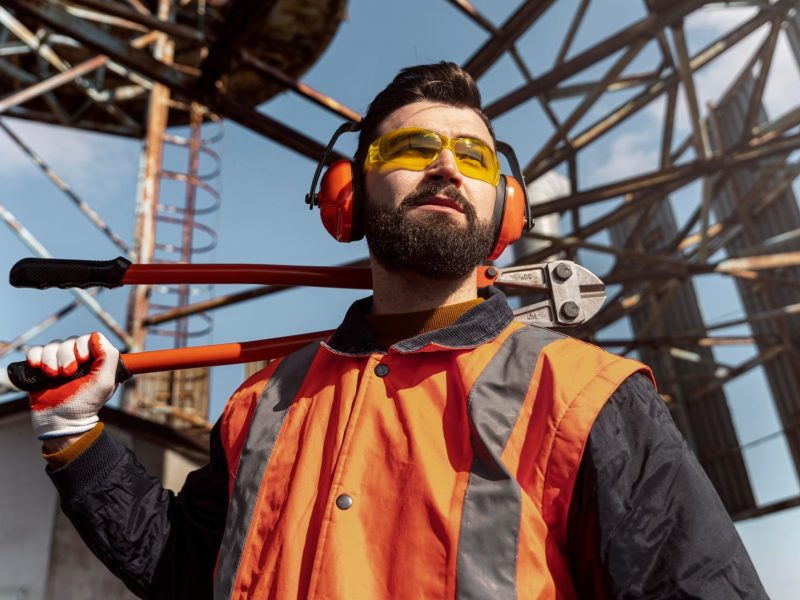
point(50, 358)
point(82, 352)
point(105, 355)
point(34, 356)
point(65, 355)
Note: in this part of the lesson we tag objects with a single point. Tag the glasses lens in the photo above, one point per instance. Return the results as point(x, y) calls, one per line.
point(410, 148)
point(415, 149)
point(475, 159)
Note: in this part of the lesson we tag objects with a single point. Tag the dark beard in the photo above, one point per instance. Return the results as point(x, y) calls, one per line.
point(428, 243)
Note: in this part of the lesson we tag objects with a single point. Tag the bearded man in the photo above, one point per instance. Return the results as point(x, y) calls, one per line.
point(431, 448)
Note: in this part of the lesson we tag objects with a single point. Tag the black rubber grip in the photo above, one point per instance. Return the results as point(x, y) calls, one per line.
point(43, 273)
point(29, 379)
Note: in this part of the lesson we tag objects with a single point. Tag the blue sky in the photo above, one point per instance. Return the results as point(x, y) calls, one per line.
point(263, 217)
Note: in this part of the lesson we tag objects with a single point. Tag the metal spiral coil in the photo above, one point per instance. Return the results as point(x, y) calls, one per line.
point(180, 235)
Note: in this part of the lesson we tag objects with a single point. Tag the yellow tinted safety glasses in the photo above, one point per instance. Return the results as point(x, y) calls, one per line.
point(415, 149)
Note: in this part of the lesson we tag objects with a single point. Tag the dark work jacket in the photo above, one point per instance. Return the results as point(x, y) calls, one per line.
point(644, 521)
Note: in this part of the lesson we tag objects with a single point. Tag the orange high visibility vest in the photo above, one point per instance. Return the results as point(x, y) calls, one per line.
point(439, 473)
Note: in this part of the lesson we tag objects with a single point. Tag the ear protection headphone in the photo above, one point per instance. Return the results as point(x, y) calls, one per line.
point(341, 198)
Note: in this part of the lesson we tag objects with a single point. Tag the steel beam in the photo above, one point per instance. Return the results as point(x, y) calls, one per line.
point(763, 357)
point(218, 102)
point(241, 17)
point(682, 174)
point(509, 32)
point(588, 102)
point(103, 42)
point(84, 297)
point(686, 73)
point(577, 19)
point(51, 83)
point(682, 339)
point(174, 30)
point(318, 98)
point(21, 340)
point(473, 14)
point(83, 206)
point(665, 85)
point(643, 29)
point(765, 58)
point(769, 509)
point(27, 36)
point(621, 83)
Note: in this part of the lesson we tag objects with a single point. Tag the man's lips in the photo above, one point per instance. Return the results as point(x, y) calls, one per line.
point(440, 202)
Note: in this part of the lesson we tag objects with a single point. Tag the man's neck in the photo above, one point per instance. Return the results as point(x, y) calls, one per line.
point(404, 292)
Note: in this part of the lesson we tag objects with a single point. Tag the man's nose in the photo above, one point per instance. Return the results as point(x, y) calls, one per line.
point(445, 168)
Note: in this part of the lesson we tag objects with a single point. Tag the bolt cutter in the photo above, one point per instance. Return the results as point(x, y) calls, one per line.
point(573, 296)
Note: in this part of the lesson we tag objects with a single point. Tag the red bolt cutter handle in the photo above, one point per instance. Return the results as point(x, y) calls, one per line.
point(43, 273)
point(29, 379)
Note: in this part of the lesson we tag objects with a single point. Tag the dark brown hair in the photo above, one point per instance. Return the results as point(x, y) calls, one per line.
point(444, 82)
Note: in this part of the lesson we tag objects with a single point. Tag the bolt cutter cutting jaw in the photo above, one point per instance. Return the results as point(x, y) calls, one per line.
point(575, 294)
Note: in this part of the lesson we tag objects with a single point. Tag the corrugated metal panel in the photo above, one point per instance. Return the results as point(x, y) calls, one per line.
point(705, 420)
point(780, 216)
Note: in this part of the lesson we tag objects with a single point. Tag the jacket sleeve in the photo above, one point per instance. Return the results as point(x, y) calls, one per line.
point(160, 544)
point(645, 521)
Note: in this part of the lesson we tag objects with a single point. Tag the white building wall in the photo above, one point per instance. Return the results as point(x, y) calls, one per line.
point(41, 555)
point(28, 505)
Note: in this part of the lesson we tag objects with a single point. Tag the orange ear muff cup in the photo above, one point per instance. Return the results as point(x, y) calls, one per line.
point(336, 200)
point(510, 214)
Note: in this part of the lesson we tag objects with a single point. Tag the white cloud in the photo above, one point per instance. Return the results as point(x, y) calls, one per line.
point(628, 154)
point(82, 159)
point(713, 80)
point(782, 92)
point(783, 82)
point(67, 147)
point(718, 19)
point(11, 158)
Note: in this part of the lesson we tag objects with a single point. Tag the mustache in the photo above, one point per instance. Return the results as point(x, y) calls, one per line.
point(436, 189)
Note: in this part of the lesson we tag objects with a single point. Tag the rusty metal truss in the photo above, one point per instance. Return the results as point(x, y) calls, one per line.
point(135, 67)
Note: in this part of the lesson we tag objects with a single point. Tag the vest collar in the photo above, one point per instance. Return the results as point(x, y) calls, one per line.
point(477, 326)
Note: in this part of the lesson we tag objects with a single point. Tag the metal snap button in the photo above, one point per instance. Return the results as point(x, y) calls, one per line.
point(344, 502)
point(382, 370)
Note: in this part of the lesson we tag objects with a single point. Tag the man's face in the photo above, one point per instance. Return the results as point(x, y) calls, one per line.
point(436, 222)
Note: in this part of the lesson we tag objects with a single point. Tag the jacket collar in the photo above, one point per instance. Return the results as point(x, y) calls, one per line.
point(477, 326)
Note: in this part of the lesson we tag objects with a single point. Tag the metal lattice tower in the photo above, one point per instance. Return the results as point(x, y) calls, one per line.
point(736, 165)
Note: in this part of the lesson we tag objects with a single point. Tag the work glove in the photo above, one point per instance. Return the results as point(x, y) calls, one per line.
point(71, 408)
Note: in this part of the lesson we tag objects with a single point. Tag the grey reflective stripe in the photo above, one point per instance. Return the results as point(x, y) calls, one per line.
point(489, 536)
point(276, 398)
